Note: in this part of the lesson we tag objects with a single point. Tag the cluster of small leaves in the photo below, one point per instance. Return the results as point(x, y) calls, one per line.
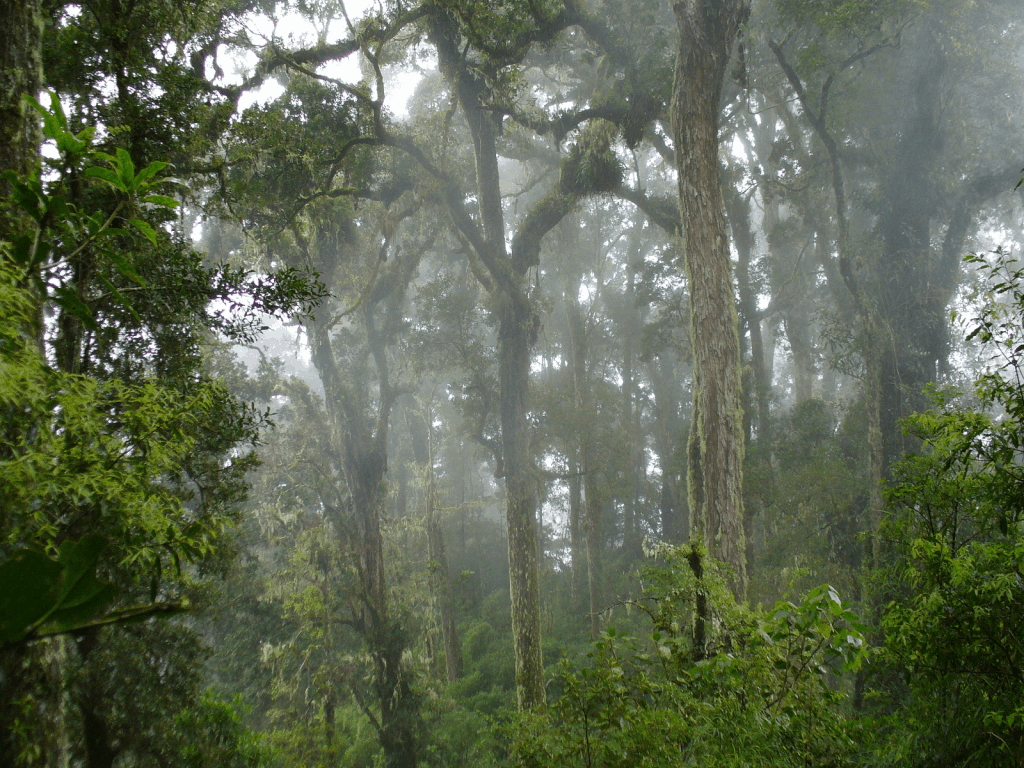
point(81, 455)
point(842, 17)
point(61, 230)
point(213, 735)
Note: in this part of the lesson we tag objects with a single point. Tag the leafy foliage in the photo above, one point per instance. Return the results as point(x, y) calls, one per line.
point(955, 627)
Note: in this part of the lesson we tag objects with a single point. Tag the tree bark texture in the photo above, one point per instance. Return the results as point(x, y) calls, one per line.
point(21, 29)
point(516, 334)
point(707, 29)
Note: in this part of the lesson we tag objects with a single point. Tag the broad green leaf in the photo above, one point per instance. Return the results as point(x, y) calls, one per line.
point(91, 598)
point(79, 559)
point(125, 267)
point(149, 172)
point(21, 249)
point(105, 174)
point(125, 169)
point(145, 229)
point(28, 582)
point(161, 200)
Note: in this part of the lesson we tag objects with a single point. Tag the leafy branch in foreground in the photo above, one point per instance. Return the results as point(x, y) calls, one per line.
point(42, 597)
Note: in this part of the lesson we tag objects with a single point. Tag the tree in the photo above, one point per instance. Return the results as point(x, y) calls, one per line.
point(707, 31)
point(98, 447)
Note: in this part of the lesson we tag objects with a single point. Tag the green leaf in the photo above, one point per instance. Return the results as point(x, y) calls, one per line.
point(125, 267)
point(82, 595)
point(79, 615)
point(67, 300)
point(161, 201)
point(149, 172)
point(145, 229)
point(79, 560)
point(28, 583)
point(125, 169)
point(105, 174)
point(21, 249)
point(27, 198)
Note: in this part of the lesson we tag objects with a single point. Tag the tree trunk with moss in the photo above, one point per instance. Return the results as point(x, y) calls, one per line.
point(27, 675)
point(503, 275)
point(707, 29)
point(516, 333)
point(21, 28)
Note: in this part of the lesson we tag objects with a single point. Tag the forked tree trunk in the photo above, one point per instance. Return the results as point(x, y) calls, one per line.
point(518, 325)
point(707, 29)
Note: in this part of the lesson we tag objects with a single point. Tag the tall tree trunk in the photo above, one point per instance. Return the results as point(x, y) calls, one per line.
point(630, 542)
point(439, 574)
point(21, 29)
point(441, 585)
point(738, 208)
point(707, 29)
point(21, 74)
point(918, 323)
point(362, 449)
point(668, 428)
point(798, 331)
point(591, 496)
point(516, 333)
point(630, 413)
point(518, 326)
point(32, 673)
point(576, 530)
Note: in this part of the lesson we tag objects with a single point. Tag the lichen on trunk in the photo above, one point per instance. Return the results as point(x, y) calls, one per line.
point(706, 33)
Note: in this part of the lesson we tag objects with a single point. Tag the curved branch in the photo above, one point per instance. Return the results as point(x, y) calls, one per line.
point(662, 211)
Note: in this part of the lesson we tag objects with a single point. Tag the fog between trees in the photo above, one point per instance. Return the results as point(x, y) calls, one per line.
point(631, 399)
